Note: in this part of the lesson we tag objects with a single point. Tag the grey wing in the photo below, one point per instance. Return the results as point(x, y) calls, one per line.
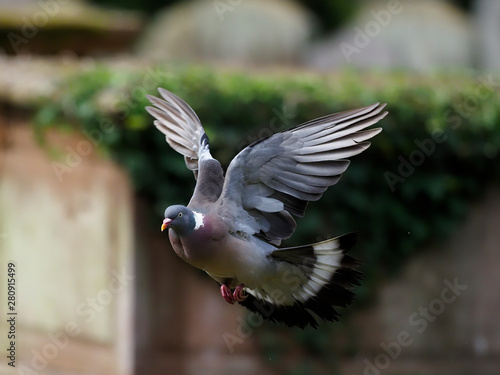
point(274, 178)
point(180, 124)
point(185, 134)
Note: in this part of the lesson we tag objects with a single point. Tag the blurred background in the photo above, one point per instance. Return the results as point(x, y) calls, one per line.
point(85, 178)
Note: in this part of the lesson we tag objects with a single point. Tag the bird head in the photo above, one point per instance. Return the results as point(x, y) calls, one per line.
point(179, 218)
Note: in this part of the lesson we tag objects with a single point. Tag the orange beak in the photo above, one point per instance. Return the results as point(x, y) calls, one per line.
point(165, 224)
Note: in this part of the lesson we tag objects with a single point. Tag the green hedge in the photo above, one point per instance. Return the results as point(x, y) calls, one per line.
point(438, 150)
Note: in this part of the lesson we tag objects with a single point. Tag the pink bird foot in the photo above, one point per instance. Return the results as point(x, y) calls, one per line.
point(239, 293)
point(226, 294)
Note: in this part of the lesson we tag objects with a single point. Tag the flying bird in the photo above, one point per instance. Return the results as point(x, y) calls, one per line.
point(234, 224)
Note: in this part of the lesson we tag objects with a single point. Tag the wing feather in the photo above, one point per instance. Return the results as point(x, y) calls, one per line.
point(185, 134)
point(181, 126)
point(294, 167)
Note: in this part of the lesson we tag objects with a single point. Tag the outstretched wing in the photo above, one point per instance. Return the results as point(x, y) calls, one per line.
point(180, 124)
point(185, 134)
point(276, 177)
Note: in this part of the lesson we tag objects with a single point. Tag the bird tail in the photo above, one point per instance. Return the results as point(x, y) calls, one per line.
point(313, 278)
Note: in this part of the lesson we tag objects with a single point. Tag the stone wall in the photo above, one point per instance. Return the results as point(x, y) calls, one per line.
point(70, 236)
point(440, 315)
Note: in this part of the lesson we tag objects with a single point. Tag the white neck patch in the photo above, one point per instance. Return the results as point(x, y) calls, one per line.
point(198, 218)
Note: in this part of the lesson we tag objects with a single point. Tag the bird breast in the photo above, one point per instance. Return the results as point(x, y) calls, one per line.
point(200, 245)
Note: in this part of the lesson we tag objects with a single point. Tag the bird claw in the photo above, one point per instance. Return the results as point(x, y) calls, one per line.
point(239, 293)
point(226, 294)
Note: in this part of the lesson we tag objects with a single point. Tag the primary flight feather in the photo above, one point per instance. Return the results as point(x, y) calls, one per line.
point(233, 225)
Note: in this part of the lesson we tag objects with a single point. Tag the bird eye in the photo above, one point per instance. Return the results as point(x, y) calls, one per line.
point(180, 214)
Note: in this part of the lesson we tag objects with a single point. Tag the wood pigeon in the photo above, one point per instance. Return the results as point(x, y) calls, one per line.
point(234, 224)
